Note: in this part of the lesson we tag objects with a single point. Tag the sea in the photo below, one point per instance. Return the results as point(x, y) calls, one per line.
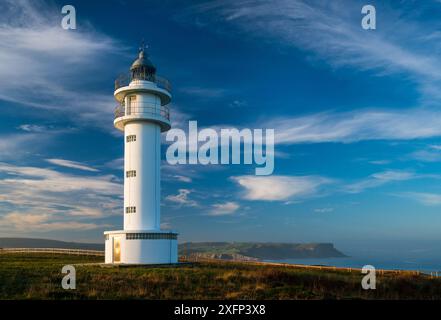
point(423, 256)
point(426, 266)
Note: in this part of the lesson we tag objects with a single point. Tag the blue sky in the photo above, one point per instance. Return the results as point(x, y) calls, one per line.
point(356, 115)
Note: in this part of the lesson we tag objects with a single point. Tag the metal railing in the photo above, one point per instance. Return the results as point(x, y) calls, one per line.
point(125, 79)
point(142, 109)
point(81, 252)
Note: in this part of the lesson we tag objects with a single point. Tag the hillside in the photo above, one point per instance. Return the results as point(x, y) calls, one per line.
point(259, 251)
point(46, 243)
point(219, 250)
point(38, 276)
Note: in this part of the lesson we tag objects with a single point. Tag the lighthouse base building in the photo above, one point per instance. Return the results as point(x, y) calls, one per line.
point(142, 114)
point(141, 247)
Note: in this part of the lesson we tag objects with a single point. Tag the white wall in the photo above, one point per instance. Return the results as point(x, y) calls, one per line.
point(108, 244)
point(143, 251)
point(144, 156)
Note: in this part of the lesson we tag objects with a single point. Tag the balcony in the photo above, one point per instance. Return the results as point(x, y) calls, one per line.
point(125, 79)
point(139, 109)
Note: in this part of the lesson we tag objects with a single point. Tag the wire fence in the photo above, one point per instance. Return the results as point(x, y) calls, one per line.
point(432, 275)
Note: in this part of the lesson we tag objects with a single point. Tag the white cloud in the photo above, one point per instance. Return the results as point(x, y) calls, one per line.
point(428, 199)
point(379, 162)
point(432, 153)
point(53, 62)
point(357, 126)
point(435, 147)
point(16, 146)
point(20, 222)
point(221, 209)
point(71, 164)
point(32, 128)
point(182, 198)
point(116, 164)
point(379, 179)
point(426, 156)
point(43, 199)
point(323, 210)
point(182, 178)
point(278, 188)
point(332, 32)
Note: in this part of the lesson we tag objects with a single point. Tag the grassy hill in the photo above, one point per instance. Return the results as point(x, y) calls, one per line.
point(38, 276)
point(46, 243)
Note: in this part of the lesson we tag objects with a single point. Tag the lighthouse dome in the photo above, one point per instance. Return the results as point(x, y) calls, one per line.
point(143, 64)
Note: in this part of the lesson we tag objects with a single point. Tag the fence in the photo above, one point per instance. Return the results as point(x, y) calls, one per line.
point(312, 267)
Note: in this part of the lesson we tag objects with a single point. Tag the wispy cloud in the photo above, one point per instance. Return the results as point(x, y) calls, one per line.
point(16, 146)
point(278, 188)
point(427, 199)
point(33, 46)
point(204, 92)
point(44, 199)
point(32, 128)
point(222, 209)
point(20, 222)
point(183, 178)
point(430, 154)
point(332, 32)
point(115, 164)
point(323, 210)
point(367, 124)
point(71, 164)
point(379, 179)
point(182, 198)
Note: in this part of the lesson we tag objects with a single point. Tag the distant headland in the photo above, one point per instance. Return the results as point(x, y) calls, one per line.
point(243, 251)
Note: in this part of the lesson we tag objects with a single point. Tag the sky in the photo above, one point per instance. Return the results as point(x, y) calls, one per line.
point(356, 115)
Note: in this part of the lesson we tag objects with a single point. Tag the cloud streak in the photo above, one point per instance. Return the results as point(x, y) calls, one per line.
point(332, 32)
point(71, 164)
point(358, 125)
point(40, 199)
point(57, 64)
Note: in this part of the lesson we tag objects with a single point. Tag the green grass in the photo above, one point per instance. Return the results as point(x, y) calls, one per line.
point(38, 276)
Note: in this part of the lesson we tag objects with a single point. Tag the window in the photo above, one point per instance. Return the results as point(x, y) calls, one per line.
point(130, 209)
point(151, 236)
point(131, 105)
point(131, 138)
point(130, 173)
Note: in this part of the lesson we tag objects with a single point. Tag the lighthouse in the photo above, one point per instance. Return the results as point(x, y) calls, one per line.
point(142, 114)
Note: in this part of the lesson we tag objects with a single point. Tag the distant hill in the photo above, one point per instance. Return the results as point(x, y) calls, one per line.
point(259, 251)
point(218, 250)
point(46, 243)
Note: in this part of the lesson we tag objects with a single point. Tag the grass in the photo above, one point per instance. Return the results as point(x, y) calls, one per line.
point(38, 276)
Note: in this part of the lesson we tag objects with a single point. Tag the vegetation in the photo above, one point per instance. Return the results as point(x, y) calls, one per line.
point(38, 276)
point(264, 250)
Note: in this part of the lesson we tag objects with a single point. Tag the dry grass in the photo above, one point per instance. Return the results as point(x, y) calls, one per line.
point(38, 276)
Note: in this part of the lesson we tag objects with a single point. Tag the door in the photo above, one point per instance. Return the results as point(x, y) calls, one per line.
point(116, 249)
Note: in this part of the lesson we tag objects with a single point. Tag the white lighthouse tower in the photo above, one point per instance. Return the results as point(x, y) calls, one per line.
point(142, 114)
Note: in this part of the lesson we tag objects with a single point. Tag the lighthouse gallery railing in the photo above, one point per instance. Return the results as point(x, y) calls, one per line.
point(142, 109)
point(125, 79)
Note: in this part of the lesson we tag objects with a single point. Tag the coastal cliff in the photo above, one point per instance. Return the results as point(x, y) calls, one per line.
point(252, 251)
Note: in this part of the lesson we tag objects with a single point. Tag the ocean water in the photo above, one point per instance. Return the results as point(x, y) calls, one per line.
point(425, 266)
point(418, 255)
